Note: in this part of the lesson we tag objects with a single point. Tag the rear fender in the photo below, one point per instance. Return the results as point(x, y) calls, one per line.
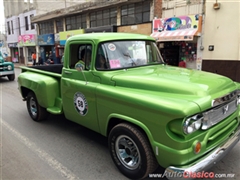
point(46, 88)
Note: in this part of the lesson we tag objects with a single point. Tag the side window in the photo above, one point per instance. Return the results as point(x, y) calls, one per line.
point(80, 56)
point(101, 59)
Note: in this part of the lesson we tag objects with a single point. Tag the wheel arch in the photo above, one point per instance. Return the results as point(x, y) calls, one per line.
point(117, 119)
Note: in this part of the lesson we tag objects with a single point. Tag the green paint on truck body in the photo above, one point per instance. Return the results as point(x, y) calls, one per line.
point(157, 98)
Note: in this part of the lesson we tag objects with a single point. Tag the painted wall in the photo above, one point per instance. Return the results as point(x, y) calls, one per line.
point(11, 38)
point(222, 28)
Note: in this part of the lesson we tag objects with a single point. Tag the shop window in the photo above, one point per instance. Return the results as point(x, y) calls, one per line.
point(135, 13)
point(76, 22)
point(103, 18)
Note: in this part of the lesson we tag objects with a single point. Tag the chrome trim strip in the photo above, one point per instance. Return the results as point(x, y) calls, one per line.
point(215, 115)
point(226, 98)
point(208, 161)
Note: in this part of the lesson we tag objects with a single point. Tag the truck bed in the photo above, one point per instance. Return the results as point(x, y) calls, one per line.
point(55, 68)
point(51, 70)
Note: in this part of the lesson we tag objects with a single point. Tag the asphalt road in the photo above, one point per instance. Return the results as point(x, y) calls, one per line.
point(60, 149)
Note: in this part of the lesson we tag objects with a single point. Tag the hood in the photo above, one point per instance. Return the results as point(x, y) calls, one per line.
point(175, 80)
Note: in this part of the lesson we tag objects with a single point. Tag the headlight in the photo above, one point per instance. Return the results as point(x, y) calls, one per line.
point(192, 124)
point(9, 67)
point(238, 97)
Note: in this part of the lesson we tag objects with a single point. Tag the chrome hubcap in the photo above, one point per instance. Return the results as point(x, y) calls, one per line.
point(127, 152)
point(33, 107)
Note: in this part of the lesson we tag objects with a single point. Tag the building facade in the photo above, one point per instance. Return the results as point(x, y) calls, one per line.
point(21, 33)
point(201, 34)
point(101, 16)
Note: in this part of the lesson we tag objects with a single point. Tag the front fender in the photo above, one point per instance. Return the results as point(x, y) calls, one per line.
point(46, 88)
point(130, 120)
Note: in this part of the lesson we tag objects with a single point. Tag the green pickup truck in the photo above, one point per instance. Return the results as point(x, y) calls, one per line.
point(118, 85)
point(6, 69)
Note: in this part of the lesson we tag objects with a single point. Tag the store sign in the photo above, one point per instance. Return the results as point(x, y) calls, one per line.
point(66, 34)
point(46, 39)
point(12, 45)
point(57, 37)
point(176, 23)
point(27, 40)
point(181, 28)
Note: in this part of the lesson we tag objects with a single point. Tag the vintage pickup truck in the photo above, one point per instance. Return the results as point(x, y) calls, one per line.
point(153, 114)
point(6, 69)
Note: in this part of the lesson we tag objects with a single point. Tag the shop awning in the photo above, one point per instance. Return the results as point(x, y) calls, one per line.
point(177, 35)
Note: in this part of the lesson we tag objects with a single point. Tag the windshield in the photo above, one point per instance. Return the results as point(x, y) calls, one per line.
point(127, 54)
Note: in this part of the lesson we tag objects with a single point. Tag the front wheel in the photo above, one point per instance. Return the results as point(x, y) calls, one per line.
point(37, 112)
point(131, 151)
point(11, 77)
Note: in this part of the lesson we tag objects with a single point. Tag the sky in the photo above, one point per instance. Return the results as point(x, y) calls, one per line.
point(1, 16)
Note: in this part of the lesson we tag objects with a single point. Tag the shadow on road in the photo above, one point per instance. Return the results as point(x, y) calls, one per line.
point(61, 123)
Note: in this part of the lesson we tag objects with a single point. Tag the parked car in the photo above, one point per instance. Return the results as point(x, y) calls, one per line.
point(6, 69)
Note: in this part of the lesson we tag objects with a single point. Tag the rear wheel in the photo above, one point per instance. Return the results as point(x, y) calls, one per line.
point(11, 77)
point(131, 151)
point(37, 112)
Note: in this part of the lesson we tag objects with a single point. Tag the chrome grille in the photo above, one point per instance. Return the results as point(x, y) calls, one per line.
point(1, 68)
point(219, 113)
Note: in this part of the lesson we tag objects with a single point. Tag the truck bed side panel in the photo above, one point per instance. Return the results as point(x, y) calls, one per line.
point(46, 88)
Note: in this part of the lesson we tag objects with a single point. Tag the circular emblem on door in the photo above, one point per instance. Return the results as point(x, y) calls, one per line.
point(80, 103)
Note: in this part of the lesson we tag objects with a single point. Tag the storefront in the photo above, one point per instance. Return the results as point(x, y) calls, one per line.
point(14, 54)
point(179, 40)
point(59, 49)
point(28, 44)
point(66, 34)
point(46, 43)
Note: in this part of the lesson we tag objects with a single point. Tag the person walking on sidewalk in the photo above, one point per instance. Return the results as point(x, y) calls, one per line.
point(34, 58)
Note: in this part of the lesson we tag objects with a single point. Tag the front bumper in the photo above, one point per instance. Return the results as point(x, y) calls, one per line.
point(207, 162)
point(5, 73)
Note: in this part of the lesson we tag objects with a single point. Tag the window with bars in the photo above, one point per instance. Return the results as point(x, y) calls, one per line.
point(46, 28)
point(32, 24)
point(103, 17)
point(135, 13)
point(76, 22)
point(59, 25)
point(26, 23)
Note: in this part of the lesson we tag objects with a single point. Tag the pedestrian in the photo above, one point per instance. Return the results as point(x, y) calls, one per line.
point(50, 56)
point(34, 58)
point(40, 60)
point(182, 63)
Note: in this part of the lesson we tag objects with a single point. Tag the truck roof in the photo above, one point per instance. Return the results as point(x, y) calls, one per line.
point(99, 37)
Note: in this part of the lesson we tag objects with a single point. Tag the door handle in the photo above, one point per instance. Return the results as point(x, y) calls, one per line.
point(67, 72)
